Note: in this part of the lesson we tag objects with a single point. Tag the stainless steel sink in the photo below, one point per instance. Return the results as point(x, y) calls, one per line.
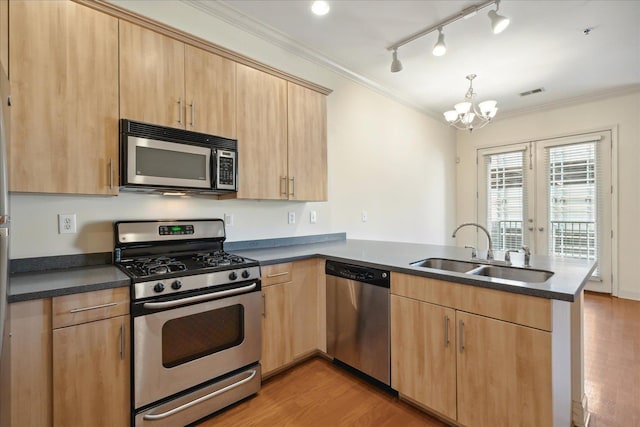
point(446, 264)
point(486, 270)
point(512, 273)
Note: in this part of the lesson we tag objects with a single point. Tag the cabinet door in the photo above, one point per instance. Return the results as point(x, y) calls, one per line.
point(91, 374)
point(504, 373)
point(423, 353)
point(262, 135)
point(304, 307)
point(276, 328)
point(64, 93)
point(307, 148)
point(210, 93)
point(151, 77)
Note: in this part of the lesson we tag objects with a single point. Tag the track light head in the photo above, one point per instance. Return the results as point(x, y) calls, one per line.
point(498, 22)
point(440, 48)
point(396, 65)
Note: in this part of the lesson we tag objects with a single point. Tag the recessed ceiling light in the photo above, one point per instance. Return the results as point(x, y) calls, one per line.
point(320, 7)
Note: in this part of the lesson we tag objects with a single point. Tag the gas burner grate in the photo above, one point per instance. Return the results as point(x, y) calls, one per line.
point(159, 265)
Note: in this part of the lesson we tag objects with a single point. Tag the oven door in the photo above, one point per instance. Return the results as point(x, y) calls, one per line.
point(178, 348)
point(167, 164)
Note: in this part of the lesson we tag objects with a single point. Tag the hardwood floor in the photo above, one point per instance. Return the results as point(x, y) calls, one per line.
point(612, 360)
point(318, 393)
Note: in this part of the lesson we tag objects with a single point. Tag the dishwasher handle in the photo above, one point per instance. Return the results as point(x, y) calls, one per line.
point(368, 275)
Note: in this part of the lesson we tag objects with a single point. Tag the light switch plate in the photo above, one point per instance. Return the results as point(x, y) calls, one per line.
point(228, 220)
point(292, 218)
point(313, 217)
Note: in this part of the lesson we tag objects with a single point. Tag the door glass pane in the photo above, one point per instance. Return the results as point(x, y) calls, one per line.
point(198, 335)
point(573, 202)
point(506, 199)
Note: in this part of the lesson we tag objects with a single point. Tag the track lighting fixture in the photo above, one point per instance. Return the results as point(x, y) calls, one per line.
point(396, 65)
point(498, 24)
point(440, 48)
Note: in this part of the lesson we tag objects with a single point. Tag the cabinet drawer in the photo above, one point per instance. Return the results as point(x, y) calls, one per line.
point(515, 308)
point(277, 273)
point(89, 306)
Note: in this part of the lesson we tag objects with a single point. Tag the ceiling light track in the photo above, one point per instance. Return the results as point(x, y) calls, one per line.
point(498, 24)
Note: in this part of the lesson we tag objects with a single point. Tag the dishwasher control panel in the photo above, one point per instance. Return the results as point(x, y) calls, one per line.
point(358, 273)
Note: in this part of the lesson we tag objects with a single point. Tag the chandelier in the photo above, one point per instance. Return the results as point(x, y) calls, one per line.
point(466, 115)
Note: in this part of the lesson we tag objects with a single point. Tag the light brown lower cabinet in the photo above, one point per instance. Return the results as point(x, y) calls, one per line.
point(290, 313)
point(476, 370)
point(91, 374)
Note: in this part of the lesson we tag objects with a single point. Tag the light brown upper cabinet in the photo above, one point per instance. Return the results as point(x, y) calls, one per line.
point(262, 135)
point(167, 83)
point(307, 143)
point(282, 140)
point(63, 68)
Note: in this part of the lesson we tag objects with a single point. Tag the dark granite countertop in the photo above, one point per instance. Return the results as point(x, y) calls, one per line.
point(570, 275)
point(45, 284)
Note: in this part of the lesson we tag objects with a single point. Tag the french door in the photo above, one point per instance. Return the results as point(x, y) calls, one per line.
point(553, 196)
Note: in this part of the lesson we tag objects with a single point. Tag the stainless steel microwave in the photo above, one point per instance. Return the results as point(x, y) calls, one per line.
point(161, 159)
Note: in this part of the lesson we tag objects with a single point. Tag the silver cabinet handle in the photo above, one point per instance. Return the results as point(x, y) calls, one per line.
point(283, 188)
point(111, 174)
point(264, 305)
point(293, 186)
point(193, 112)
point(122, 341)
point(199, 298)
point(446, 331)
point(93, 307)
point(152, 417)
point(284, 273)
point(180, 110)
point(461, 338)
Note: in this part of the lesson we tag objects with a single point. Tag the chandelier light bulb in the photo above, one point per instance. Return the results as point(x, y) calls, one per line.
point(440, 48)
point(451, 116)
point(487, 108)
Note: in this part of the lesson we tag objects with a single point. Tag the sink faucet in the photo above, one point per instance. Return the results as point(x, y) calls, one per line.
point(527, 256)
point(489, 250)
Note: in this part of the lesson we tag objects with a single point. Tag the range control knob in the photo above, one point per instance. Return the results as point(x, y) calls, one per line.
point(176, 285)
point(246, 274)
point(233, 275)
point(159, 287)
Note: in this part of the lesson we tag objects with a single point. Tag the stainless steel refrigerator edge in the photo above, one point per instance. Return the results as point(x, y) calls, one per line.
point(358, 330)
point(4, 208)
point(4, 249)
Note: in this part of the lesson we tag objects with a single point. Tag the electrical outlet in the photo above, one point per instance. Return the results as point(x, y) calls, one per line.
point(228, 220)
point(292, 217)
point(313, 217)
point(365, 216)
point(66, 223)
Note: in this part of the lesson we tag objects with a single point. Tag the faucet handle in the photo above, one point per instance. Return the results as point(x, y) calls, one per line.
point(527, 256)
point(474, 254)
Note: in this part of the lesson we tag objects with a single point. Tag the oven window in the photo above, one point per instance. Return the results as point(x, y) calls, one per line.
point(198, 335)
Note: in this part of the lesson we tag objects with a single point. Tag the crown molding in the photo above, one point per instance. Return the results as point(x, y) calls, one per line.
point(232, 16)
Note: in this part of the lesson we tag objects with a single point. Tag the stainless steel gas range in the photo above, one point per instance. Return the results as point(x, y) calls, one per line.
point(195, 318)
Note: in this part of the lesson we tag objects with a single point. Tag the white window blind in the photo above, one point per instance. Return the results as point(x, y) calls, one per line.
point(506, 199)
point(575, 200)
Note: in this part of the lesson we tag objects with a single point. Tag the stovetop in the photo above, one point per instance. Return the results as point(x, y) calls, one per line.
point(149, 267)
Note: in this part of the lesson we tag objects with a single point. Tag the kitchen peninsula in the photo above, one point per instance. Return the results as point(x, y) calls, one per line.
point(529, 332)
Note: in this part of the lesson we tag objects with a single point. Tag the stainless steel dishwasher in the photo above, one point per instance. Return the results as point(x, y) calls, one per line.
point(358, 318)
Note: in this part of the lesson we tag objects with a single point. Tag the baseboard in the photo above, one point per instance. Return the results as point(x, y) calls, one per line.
point(629, 295)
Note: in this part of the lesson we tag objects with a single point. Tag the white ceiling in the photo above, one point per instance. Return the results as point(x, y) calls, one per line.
point(544, 47)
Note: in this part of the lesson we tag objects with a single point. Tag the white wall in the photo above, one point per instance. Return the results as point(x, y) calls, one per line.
point(385, 158)
point(621, 113)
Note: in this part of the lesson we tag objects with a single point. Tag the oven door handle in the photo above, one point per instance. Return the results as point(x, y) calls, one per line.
point(199, 298)
point(154, 417)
